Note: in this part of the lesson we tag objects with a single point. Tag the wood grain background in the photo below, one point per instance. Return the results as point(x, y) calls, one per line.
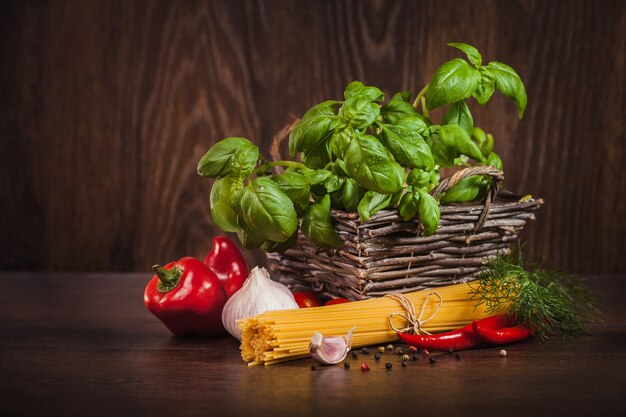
point(106, 106)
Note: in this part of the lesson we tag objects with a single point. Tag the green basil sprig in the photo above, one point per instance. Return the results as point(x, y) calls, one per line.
point(362, 155)
point(459, 79)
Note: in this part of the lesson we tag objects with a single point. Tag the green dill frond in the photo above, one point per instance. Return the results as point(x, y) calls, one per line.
point(544, 299)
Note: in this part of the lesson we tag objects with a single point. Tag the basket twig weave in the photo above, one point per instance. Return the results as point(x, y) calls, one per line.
point(386, 253)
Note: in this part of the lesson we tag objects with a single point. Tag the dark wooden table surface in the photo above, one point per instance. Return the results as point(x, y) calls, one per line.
point(83, 344)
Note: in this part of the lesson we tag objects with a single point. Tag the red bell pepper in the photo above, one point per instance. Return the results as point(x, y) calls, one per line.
point(228, 263)
point(187, 297)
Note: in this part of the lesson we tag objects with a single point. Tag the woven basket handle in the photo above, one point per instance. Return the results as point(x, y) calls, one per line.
point(445, 185)
point(278, 139)
point(497, 175)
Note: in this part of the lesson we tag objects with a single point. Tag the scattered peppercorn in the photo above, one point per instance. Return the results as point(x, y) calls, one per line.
point(314, 367)
point(412, 349)
point(346, 365)
point(404, 363)
point(425, 352)
point(457, 356)
point(415, 356)
point(450, 351)
point(400, 351)
point(381, 349)
point(503, 353)
point(366, 350)
point(365, 367)
point(405, 357)
point(354, 354)
point(432, 359)
point(389, 347)
point(377, 356)
point(388, 365)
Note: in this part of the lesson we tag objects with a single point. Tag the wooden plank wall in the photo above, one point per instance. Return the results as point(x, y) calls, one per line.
point(106, 106)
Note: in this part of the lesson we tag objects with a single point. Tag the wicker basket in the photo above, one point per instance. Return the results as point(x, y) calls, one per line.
point(386, 254)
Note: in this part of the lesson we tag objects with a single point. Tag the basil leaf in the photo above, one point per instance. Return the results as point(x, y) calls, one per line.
point(270, 247)
point(325, 108)
point(472, 53)
point(486, 86)
point(398, 107)
point(316, 176)
point(334, 182)
point(339, 167)
point(428, 213)
point(417, 123)
point(313, 126)
point(468, 189)
point(249, 238)
point(340, 140)
point(222, 213)
point(317, 225)
point(230, 156)
point(407, 146)
point(459, 114)
point(356, 88)
point(418, 178)
point(351, 195)
point(482, 140)
point(370, 164)
point(268, 211)
point(448, 142)
point(395, 198)
point(509, 83)
point(465, 145)
point(371, 203)
point(453, 81)
point(409, 204)
point(494, 160)
point(359, 112)
point(310, 132)
point(296, 186)
point(488, 144)
point(319, 156)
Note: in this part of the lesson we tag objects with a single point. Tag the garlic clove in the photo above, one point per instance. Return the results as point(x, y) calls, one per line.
point(257, 295)
point(332, 349)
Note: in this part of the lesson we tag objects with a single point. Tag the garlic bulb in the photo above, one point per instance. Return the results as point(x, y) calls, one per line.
point(330, 350)
point(258, 294)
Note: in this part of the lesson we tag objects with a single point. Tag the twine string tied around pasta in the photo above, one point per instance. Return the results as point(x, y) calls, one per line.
point(414, 321)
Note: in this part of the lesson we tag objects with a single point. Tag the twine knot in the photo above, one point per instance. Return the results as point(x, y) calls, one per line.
point(414, 321)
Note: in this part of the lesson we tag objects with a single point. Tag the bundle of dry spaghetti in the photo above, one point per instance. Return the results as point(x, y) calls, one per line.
point(278, 336)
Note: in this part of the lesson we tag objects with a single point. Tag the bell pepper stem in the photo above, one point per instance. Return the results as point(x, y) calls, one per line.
point(168, 278)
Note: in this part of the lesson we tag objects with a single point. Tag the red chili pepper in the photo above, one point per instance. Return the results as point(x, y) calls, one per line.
point(460, 339)
point(228, 263)
point(336, 301)
point(501, 335)
point(187, 297)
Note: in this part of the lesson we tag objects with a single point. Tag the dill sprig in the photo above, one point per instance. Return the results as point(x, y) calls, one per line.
point(545, 300)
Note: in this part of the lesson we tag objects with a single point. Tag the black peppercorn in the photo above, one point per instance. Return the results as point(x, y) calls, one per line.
point(314, 367)
point(431, 359)
point(346, 365)
point(415, 356)
point(404, 363)
point(388, 365)
point(458, 357)
point(354, 354)
point(450, 351)
point(377, 356)
point(366, 351)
